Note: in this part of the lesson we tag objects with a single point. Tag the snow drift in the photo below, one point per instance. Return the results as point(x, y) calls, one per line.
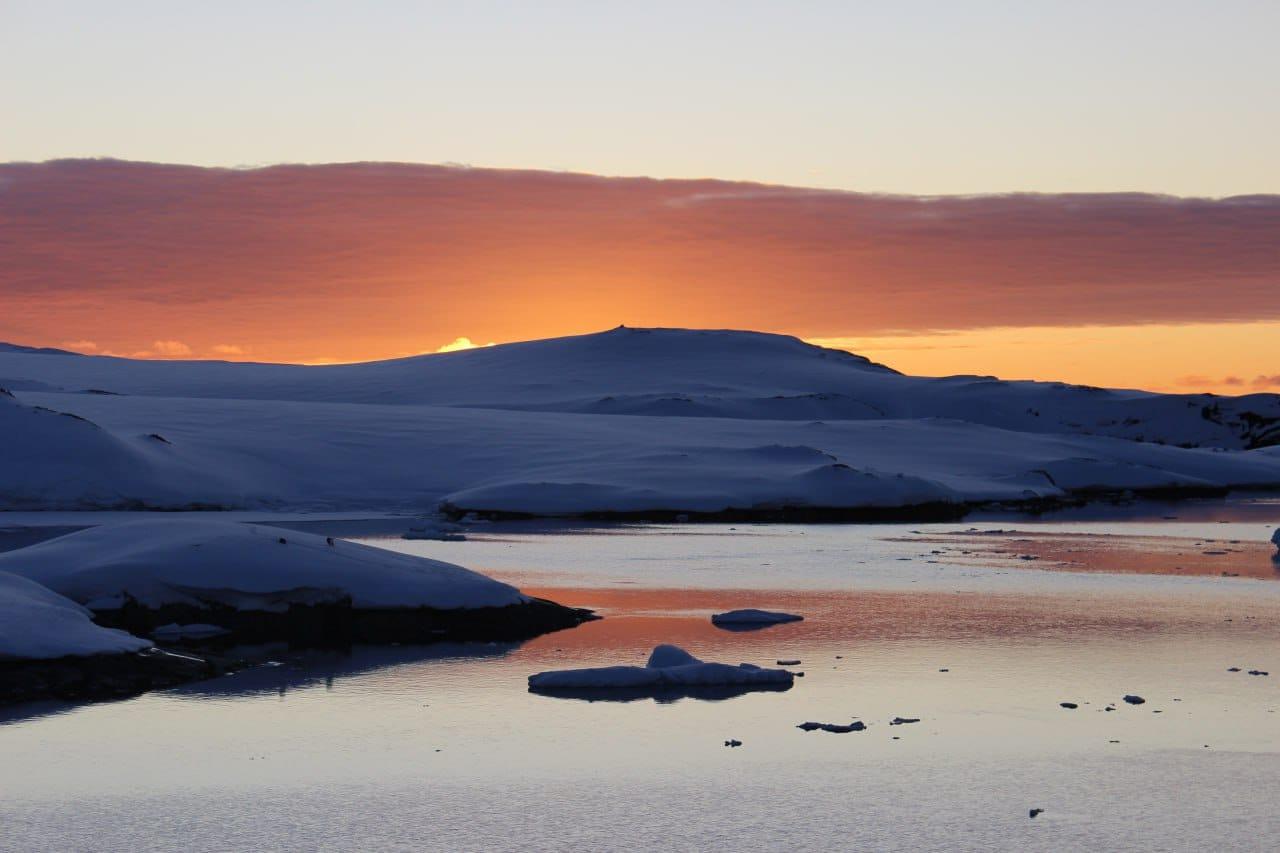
point(37, 624)
point(55, 460)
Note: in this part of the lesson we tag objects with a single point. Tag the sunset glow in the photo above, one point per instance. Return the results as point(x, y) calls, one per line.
point(359, 262)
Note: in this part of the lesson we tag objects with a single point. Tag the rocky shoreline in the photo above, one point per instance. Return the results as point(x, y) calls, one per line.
point(932, 511)
point(95, 677)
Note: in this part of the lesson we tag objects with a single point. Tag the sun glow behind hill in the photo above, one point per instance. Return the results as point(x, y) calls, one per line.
point(354, 262)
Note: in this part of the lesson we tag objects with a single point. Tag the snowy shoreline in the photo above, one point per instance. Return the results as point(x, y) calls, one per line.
point(75, 610)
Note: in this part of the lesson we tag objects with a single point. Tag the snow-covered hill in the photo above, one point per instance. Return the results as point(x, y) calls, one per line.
point(690, 373)
point(629, 420)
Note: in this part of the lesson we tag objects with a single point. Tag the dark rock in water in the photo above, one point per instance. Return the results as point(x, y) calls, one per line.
point(944, 670)
point(102, 676)
point(1070, 705)
point(1233, 669)
point(732, 742)
point(1035, 812)
point(836, 728)
point(788, 663)
point(338, 624)
point(1109, 708)
point(1134, 700)
point(1258, 672)
point(902, 721)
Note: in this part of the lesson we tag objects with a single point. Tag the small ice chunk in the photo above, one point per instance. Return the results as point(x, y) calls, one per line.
point(751, 616)
point(668, 666)
point(668, 655)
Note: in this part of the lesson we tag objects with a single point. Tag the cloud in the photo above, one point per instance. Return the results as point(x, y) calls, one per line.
point(359, 260)
point(1266, 381)
point(163, 349)
point(460, 344)
point(171, 349)
point(228, 349)
point(80, 346)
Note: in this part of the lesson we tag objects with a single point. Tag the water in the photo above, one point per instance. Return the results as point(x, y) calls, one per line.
point(443, 748)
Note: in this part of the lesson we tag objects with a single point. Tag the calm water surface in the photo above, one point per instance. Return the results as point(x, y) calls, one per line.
point(443, 748)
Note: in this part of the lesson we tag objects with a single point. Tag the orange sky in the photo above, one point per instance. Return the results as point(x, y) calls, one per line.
point(363, 261)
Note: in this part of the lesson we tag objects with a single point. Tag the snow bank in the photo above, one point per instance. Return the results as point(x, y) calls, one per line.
point(37, 623)
point(751, 616)
point(196, 562)
point(668, 666)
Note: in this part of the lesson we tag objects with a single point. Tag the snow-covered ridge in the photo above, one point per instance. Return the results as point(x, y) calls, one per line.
point(715, 422)
point(684, 372)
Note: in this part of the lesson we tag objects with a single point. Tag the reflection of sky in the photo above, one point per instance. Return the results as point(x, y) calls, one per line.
point(322, 743)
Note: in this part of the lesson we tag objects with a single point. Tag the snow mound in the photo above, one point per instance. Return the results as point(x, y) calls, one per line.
point(668, 666)
point(37, 623)
point(54, 460)
point(244, 566)
point(751, 616)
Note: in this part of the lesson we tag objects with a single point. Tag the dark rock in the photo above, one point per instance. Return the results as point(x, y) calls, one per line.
point(1071, 705)
point(732, 742)
point(902, 721)
point(103, 676)
point(1134, 700)
point(1035, 812)
point(855, 726)
point(1233, 669)
point(338, 624)
point(1258, 672)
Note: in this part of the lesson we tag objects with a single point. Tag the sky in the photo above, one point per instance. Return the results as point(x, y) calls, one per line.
point(1088, 104)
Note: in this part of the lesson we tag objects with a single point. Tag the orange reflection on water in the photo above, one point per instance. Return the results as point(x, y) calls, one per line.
point(1123, 554)
point(638, 619)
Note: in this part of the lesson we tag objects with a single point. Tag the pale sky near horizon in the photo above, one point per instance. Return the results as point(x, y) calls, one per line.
point(908, 97)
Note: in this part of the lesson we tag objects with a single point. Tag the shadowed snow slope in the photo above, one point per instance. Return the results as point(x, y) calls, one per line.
point(37, 623)
point(52, 460)
point(179, 561)
point(629, 420)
